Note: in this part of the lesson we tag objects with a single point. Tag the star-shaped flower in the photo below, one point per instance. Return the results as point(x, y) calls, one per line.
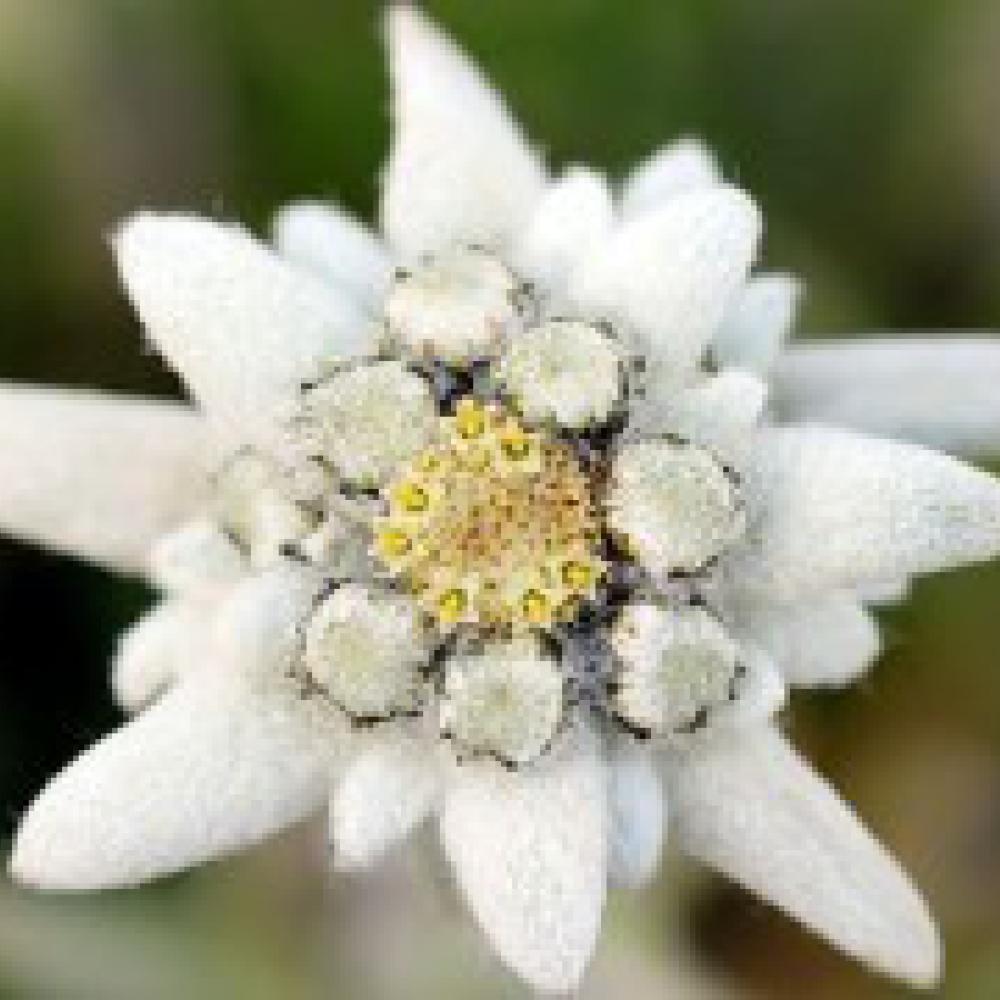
point(486, 521)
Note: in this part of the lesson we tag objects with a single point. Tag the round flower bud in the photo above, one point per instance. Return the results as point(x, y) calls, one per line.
point(369, 420)
point(506, 702)
point(675, 505)
point(676, 665)
point(363, 649)
point(564, 370)
point(456, 308)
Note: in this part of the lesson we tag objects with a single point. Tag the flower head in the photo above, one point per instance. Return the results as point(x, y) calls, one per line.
point(498, 530)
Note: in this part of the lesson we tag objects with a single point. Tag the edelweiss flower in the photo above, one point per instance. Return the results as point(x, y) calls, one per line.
point(485, 522)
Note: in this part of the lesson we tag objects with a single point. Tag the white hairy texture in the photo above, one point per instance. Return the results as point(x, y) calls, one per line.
point(529, 850)
point(161, 647)
point(460, 170)
point(674, 661)
point(674, 503)
point(758, 324)
point(335, 246)
point(573, 217)
point(256, 630)
point(97, 476)
point(838, 509)
point(261, 505)
point(507, 701)
point(364, 649)
point(241, 326)
point(637, 815)
point(891, 590)
point(385, 792)
point(370, 419)
point(457, 306)
point(751, 808)
point(939, 391)
point(563, 370)
point(672, 273)
point(760, 693)
point(681, 166)
point(198, 556)
point(206, 770)
point(828, 640)
point(720, 413)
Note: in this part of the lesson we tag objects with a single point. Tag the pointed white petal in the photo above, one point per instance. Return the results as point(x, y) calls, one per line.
point(205, 771)
point(529, 850)
point(828, 640)
point(685, 165)
point(460, 170)
point(335, 246)
point(637, 822)
point(672, 273)
point(161, 647)
point(384, 793)
point(721, 412)
point(839, 509)
point(573, 217)
point(751, 808)
point(936, 391)
point(758, 324)
point(97, 476)
point(242, 326)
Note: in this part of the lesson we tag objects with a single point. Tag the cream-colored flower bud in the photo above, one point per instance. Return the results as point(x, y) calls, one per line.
point(364, 650)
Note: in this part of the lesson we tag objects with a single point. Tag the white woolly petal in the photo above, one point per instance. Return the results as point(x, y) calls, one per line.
point(563, 370)
point(161, 647)
point(675, 504)
point(529, 850)
point(672, 273)
point(840, 509)
point(940, 392)
point(335, 246)
point(828, 640)
point(205, 771)
point(460, 170)
point(637, 816)
point(242, 326)
point(570, 221)
point(95, 476)
point(371, 419)
point(758, 324)
point(750, 807)
point(198, 556)
point(891, 590)
point(682, 166)
point(384, 793)
point(721, 412)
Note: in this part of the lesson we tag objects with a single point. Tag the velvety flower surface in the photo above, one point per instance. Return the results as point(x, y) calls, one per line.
point(489, 520)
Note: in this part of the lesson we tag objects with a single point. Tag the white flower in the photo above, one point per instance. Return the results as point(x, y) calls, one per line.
point(464, 525)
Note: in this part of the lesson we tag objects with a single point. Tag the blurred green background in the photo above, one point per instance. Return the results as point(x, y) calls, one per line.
point(868, 131)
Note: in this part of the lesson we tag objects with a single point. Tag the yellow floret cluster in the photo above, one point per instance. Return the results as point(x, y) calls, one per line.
point(493, 524)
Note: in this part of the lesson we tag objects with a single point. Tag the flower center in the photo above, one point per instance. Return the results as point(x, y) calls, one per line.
point(492, 524)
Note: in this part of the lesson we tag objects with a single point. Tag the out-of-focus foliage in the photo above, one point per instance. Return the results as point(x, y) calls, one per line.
point(868, 131)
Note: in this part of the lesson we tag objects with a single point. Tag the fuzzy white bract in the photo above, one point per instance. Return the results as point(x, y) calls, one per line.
point(484, 521)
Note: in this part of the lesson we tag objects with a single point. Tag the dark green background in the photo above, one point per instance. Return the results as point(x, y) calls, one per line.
point(867, 130)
